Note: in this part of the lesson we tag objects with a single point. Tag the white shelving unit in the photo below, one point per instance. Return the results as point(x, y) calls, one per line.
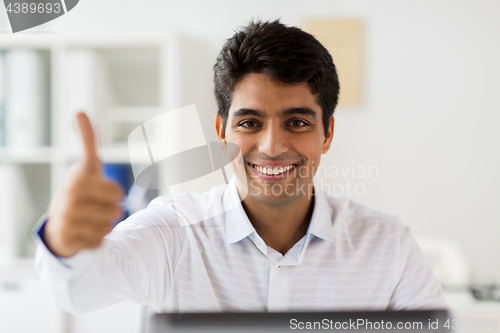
point(121, 82)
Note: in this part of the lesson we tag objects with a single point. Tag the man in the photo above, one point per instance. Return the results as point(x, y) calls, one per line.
point(287, 246)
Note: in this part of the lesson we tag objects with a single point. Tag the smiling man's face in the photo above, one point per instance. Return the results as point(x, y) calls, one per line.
point(279, 130)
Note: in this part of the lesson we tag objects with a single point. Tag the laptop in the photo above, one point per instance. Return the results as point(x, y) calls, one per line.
point(278, 322)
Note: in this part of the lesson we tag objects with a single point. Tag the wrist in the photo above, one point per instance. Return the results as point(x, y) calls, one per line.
point(52, 246)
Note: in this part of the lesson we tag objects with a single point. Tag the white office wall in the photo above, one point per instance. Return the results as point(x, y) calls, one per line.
point(431, 101)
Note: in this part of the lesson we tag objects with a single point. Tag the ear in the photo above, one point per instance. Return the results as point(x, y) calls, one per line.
point(329, 136)
point(219, 128)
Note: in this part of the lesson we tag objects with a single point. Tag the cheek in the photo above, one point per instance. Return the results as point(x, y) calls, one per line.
point(311, 148)
point(245, 145)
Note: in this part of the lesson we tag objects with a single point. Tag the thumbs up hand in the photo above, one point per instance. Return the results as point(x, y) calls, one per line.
point(84, 210)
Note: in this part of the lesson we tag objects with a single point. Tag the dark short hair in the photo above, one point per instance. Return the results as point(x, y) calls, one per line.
point(286, 54)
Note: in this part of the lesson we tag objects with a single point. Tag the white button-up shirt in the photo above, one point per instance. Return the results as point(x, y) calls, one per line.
point(352, 257)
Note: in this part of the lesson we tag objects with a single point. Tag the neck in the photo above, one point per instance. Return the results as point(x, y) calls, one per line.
point(280, 226)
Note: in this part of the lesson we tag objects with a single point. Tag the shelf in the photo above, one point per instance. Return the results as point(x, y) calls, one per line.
point(48, 40)
point(40, 155)
point(20, 265)
point(117, 153)
point(133, 115)
point(114, 154)
point(29, 41)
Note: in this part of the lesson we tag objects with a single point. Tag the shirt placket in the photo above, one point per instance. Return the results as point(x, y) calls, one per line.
point(279, 277)
point(278, 288)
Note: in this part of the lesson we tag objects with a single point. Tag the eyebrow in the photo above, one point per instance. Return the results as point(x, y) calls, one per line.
point(287, 112)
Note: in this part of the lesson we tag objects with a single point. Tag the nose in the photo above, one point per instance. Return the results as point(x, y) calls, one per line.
point(272, 141)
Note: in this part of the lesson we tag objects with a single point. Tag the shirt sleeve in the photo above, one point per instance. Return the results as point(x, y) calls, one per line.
point(417, 288)
point(135, 262)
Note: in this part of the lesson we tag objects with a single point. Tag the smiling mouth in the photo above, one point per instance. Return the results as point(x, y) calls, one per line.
point(273, 171)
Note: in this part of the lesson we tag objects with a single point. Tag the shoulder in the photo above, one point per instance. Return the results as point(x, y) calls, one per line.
point(189, 198)
point(188, 207)
point(361, 222)
point(169, 220)
point(356, 213)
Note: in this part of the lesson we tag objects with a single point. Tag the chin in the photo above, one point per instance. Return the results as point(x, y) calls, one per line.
point(272, 199)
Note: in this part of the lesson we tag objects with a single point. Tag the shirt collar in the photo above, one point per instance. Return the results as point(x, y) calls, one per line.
point(238, 226)
point(322, 217)
point(236, 221)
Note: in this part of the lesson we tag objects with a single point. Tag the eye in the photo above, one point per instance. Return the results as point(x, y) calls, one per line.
point(248, 124)
point(298, 123)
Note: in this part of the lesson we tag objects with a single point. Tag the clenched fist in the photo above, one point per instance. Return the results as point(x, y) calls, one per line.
point(83, 212)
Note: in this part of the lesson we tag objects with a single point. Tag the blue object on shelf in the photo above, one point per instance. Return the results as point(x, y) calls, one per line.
point(122, 175)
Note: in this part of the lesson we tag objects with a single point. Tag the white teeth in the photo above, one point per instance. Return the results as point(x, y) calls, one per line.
point(273, 171)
